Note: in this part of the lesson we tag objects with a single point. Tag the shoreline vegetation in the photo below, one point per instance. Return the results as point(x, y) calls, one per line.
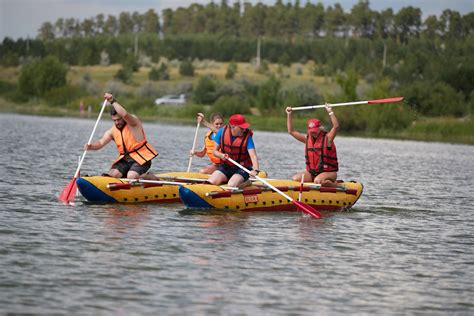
point(432, 129)
point(256, 60)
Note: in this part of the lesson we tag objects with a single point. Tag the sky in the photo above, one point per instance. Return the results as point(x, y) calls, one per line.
point(23, 18)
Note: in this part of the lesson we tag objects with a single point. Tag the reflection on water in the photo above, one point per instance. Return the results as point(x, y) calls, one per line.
point(405, 248)
point(120, 219)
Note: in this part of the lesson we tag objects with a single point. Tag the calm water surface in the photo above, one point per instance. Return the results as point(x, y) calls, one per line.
point(407, 247)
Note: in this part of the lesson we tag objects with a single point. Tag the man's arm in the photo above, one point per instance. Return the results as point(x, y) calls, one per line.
point(132, 120)
point(106, 138)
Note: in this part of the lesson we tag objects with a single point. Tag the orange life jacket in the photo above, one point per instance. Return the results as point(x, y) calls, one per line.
point(140, 151)
point(319, 157)
point(209, 143)
point(236, 149)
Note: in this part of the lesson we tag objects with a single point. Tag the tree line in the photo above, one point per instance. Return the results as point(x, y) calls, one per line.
point(290, 21)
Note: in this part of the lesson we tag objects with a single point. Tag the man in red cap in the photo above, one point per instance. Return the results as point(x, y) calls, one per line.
point(235, 141)
point(320, 150)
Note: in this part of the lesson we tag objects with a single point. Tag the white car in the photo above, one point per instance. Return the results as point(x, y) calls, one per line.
point(171, 99)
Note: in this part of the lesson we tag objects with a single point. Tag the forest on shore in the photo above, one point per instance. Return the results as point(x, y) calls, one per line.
point(256, 59)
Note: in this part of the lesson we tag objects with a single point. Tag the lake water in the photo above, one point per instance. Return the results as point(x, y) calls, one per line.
point(406, 248)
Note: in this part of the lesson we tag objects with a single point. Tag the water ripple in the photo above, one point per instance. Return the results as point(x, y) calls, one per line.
point(405, 248)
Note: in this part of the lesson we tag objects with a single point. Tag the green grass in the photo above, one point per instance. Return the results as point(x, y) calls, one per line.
point(442, 129)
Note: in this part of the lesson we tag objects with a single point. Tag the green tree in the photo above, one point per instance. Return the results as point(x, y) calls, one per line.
point(407, 23)
point(268, 95)
point(362, 19)
point(186, 68)
point(124, 75)
point(231, 70)
point(229, 105)
point(348, 83)
point(46, 32)
point(41, 76)
point(125, 23)
point(205, 91)
point(159, 74)
point(151, 22)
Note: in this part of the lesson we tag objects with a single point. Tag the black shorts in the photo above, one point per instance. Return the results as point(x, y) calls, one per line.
point(230, 171)
point(125, 166)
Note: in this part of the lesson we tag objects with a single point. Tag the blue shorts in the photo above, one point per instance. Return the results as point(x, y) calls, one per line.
point(229, 171)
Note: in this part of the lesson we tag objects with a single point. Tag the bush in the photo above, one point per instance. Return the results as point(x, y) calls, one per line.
point(6, 87)
point(186, 68)
point(10, 92)
point(63, 95)
point(148, 90)
point(10, 59)
point(131, 64)
point(124, 75)
point(285, 60)
point(301, 94)
point(160, 73)
point(435, 99)
point(348, 83)
point(264, 68)
point(228, 105)
point(41, 76)
point(231, 71)
point(205, 91)
point(268, 95)
point(115, 87)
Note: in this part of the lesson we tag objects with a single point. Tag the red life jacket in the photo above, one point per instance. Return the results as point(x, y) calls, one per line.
point(140, 151)
point(319, 157)
point(236, 149)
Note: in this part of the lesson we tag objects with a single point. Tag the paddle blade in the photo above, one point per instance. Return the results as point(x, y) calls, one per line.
point(69, 192)
point(388, 100)
point(308, 209)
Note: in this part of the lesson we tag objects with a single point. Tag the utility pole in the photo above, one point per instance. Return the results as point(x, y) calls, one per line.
point(258, 51)
point(384, 60)
point(136, 46)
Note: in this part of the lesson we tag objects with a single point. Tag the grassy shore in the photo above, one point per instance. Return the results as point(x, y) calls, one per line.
point(426, 129)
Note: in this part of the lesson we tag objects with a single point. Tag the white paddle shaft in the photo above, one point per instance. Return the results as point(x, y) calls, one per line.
point(260, 179)
point(90, 139)
point(194, 145)
point(323, 105)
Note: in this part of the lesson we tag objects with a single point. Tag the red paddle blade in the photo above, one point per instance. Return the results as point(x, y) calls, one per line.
point(308, 209)
point(69, 192)
point(388, 100)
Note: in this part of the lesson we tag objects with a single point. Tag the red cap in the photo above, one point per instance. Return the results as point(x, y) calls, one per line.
point(238, 120)
point(313, 125)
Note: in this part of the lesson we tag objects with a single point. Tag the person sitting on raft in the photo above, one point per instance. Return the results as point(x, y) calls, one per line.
point(234, 141)
point(135, 153)
point(216, 122)
point(320, 150)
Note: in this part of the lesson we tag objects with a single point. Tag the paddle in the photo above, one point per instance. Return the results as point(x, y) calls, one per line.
point(302, 206)
point(194, 145)
point(388, 100)
point(301, 187)
point(69, 192)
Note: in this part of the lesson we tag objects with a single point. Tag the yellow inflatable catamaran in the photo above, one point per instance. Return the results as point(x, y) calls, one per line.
point(259, 197)
point(100, 189)
point(188, 187)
